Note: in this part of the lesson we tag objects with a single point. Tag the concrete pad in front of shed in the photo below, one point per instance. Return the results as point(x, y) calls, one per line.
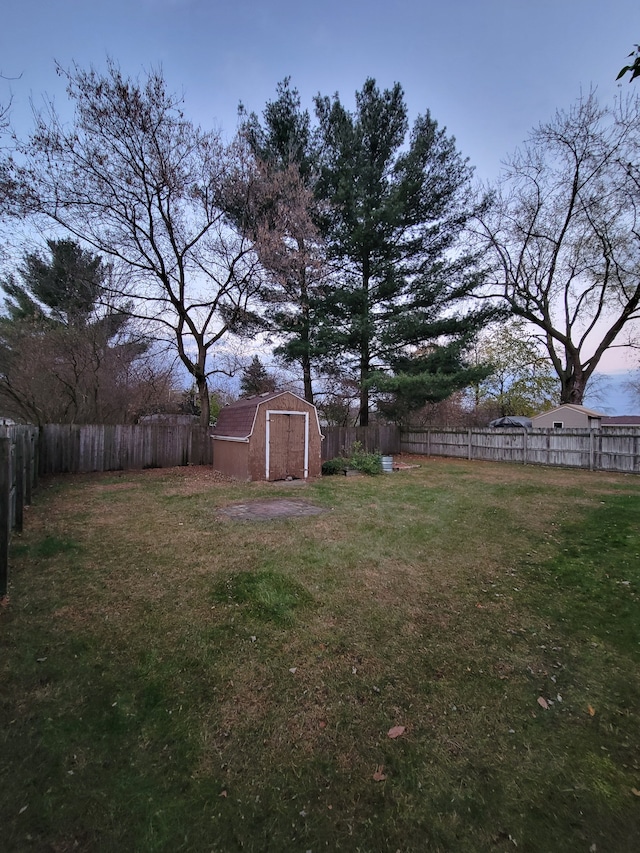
point(268, 510)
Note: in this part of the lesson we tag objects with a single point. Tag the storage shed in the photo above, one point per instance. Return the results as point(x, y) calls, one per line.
point(272, 436)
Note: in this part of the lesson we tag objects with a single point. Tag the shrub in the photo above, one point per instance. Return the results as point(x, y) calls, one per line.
point(334, 466)
point(361, 460)
point(358, 460)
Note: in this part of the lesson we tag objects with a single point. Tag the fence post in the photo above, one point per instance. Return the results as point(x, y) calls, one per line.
point(469, 440)
point(5, 512)
point(28, 467)
point(20, 478)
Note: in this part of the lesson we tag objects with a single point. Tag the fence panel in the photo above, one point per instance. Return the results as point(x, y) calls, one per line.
point(378, 438)
point(17, 478)
point(97, 447)
point(607, 449)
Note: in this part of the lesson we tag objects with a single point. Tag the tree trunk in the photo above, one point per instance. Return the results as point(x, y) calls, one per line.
point(203, 399)
point(365, 356)
point(364, 405)
point(306, 378)
point(574, 384)
point(305, 333)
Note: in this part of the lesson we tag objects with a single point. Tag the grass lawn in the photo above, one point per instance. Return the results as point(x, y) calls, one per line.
point(175, 680)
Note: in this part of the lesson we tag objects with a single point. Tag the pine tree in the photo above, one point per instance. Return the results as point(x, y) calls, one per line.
point(396, 204)
point(256, 379)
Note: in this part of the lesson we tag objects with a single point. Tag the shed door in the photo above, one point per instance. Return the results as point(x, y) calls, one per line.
point(287, 445)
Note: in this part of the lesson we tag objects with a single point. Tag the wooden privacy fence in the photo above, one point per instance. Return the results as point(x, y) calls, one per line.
point(18, 475)
point(607, 449)
point(82, 449)
point(338, 440)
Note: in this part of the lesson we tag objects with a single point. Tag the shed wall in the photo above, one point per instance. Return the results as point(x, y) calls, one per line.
point(231, 458)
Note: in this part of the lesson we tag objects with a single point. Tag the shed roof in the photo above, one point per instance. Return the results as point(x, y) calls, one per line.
point(237, 419)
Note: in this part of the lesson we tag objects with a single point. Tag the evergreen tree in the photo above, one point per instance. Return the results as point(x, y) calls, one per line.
point(256, 379)
point(396, 204)
point(431, 375)
point(66, 354)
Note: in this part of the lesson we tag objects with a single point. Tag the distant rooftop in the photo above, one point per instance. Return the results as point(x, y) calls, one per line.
point(621, 420)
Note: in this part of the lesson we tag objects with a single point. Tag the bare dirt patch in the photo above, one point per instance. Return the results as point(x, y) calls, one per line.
point(267, 510)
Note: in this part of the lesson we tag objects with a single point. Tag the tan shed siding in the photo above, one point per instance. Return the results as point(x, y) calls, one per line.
point(231, 458)
point(258, 453)
point(287, 444)
point(315, 446)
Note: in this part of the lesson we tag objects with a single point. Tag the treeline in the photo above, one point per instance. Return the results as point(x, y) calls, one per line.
point(353, 242)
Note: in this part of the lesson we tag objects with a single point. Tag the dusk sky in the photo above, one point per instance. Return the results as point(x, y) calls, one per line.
point(488, 70)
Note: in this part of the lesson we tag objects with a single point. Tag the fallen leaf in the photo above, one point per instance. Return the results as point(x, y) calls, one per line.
point(543, 703)
point(396, 731)
point(293, 670)
point(379, 776)
point(592, 710)
point(635, 792)
point(322, 724)
point(223, 794)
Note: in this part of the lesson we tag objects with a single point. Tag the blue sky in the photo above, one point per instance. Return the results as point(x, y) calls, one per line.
point(488, 70)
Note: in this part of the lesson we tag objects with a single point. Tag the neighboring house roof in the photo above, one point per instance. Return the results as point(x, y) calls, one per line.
point(237, 419)
point(621, 420)
point(583, 410)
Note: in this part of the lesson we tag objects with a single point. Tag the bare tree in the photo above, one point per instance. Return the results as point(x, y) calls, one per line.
point(290, 250)
point(564, 236)
point(62, 374)
point(633, 386)
point(291, 247)
point(8, 185)
point(137, 181)
point(522, 381)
